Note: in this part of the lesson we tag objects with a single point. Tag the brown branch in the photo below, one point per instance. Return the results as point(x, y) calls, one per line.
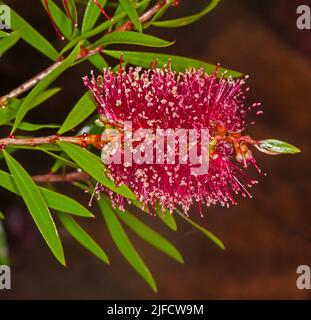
point(54, 178)
point(84, 54)
point(29, 84)
point(82, 140)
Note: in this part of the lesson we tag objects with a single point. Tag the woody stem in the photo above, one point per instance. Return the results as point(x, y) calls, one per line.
point(85, 53)
point(82, 140)
point(54, 178)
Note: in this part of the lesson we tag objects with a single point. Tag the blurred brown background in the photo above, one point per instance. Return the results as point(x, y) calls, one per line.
point(266, 237)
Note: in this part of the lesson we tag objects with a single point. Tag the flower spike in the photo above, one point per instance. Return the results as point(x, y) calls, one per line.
point(159, 98)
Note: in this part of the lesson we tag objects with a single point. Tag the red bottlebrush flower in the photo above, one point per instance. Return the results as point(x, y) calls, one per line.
point(161, 98)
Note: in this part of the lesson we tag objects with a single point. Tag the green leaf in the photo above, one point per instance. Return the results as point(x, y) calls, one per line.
point(130, 37)
point(36, 205)
point(10, 110)
point(207, 233)
point(65, 204)
point(72, 11)
point(43, 84)
point(91, 15)
point(33, 37)
point(175, 23)
point(4, 252)
point(130, 10)
point(98, 61)
point(142, 8)
point(1, 215)
point(44, 96)
point(3, 34)
point(59, 163)
point(160, 13)
point(102, 27)
point(62, 159)
point(149, 235)
point(82, 236)
point(274, 147)
point(50, 147)
point(118, 10)
point(54, 200)
point(8, 42)
point(124, 244)
point(179, 64)
point(94, 167)
point(61, 19)
point(82, 110)
point(26, 126)
point(167, 218)
point(99, 29)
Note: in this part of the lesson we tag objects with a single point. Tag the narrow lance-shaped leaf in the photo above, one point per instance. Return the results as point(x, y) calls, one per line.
point(99, 29)
point(98, 61)
point(9, 112)
point(8, 42)
point(30, 35)
point(207, 233)
point(82, 236)
point(71, 10)
point(275, 147)
point(130, 37)
point(102, 27)
point(124, 244)
point(82, 110)
point(142, 9)
point(130, 10)
point(92, 12)
point(160, 13)
point(149, 235)
point(60, 18)
point(3, 34)
point(118, 10)
point(36, 205)
point(175, 23)
point(26, 126)
point(167, 217)
point(4, 251)
point(94, 167)
point(54, 200)
point(58, 157)
point(43, 84)
point(179, 64)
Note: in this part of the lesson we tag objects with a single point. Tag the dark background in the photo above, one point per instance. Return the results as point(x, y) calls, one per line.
point(266, 237)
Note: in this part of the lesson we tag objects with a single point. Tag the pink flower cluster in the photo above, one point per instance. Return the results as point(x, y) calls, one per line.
point(162, 98)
